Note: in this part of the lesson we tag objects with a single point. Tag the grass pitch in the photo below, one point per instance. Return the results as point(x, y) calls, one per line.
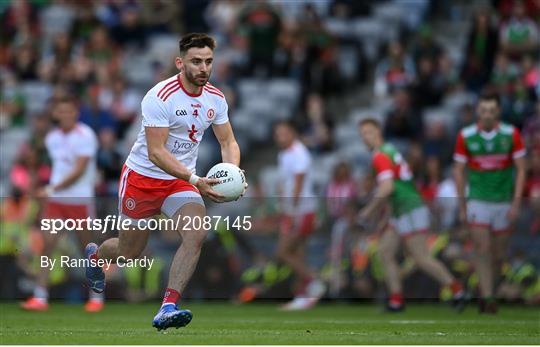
point(222, 323)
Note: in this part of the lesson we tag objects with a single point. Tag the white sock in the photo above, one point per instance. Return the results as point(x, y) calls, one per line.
point(96, 296)
point(41, 293)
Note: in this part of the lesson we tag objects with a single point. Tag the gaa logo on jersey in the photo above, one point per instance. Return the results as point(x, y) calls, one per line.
point(210, 114)
point(130, 204)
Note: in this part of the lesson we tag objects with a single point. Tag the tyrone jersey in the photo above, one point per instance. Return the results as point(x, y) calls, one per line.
point(489, 157)
point(389, 163)
point(291, 162)
point(187, 116)
point(64, 149)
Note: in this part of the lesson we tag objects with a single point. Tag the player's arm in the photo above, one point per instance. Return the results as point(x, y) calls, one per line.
point(385, 185)
point(80, 166)
point(298, 184)
point(521, 175)
point(460, 162)
point(384, 189)
point(158, 154)
point(518, 154)
point(230, 151)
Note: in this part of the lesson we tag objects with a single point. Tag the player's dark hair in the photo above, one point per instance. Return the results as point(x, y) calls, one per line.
point(196, 40)
point(65, 99)
point(369, 121)
point(489, 95)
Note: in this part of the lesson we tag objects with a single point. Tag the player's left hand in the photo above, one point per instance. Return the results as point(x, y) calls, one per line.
point(513, 212)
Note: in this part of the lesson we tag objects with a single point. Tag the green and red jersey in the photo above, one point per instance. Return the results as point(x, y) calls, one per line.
point(388, 163)
point(490, 160)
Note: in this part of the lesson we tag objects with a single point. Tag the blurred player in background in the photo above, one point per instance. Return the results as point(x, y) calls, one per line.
point(72, 147)
point(159, 173)
point(410, 218)
point(489, 150)
point(298, 207)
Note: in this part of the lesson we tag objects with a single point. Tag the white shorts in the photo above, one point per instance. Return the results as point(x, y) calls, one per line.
point(413, 222)
point(489, 215)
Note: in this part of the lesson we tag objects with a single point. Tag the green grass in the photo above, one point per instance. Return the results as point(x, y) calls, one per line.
point(222, 323)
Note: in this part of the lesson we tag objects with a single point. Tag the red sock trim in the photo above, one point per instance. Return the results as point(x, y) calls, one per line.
point(171, 296)
point(396, 299)
point(456, 287)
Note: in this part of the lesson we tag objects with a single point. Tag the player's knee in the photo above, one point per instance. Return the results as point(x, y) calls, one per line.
point(194, 239)
point(130, 254)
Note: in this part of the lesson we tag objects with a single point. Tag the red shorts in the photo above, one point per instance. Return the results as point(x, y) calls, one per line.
point(143, 197)
point(303, 224)
point(61, 210)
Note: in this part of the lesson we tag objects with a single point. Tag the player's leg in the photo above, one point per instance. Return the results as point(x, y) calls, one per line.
point(501, 230)
point(129, 244)
point(187, 256)
point(500, 237)
point(95, 301)
point(40, 297)
point(479, 215)
point(186, 207)
point(387, 251)
point(289, 251)
point(416, 244)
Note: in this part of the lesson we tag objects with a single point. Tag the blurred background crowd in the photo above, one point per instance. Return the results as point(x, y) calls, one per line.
point(416, 65)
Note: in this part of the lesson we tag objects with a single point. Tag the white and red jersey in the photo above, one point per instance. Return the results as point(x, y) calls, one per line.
point(64, 148)
point(293, 161)
point(187, 116)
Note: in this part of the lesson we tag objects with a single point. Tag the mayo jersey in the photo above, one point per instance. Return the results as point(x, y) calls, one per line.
point(291, 162)
point(490, 160)
point(169, 105)
point(64, 149)
point(388, 163)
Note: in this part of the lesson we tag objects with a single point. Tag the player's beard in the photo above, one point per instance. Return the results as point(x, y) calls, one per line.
point(199, 80)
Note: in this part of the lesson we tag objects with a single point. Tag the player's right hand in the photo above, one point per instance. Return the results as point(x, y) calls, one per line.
point(205, 188)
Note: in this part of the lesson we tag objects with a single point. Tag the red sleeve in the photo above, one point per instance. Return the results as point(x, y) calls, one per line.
point(460, 150)
point(518, 148)
point(384, 168)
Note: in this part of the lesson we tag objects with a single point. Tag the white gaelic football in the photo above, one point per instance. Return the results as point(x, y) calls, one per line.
point(231, 180)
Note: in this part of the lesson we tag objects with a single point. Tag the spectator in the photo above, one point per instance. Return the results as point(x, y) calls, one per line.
point(318, 132)
point(429, 86)
point(58, 61)
point(93, 114)
point(426, 47)
point(503, 73)
point(428, 182)
point(403, 122)
point(341, 190)
point(160, 16)
point(109, 161)
point(396, 70)
point(531, 129)
point(532, 189)
point(25, 63)
point(261, 25)
point(516, 105)
point(122, 102)
point(130, 32)
point(12, 104)
point(479, 55)
point(28, 174)
point(519, 35)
